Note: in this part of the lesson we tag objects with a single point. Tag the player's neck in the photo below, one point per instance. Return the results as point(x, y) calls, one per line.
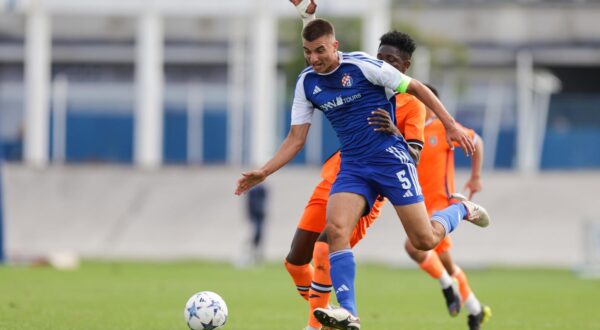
point(334, 65)
point(332, 68)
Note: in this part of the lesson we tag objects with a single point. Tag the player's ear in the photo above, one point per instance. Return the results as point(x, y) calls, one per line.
point(407, 64)
point(336, 44)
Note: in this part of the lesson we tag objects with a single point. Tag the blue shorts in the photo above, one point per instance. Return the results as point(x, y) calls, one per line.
point(390, 173)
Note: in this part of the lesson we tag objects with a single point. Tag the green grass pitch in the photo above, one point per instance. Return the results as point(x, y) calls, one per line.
point(103, 295)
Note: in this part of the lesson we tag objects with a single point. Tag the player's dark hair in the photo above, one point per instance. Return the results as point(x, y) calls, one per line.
point(316, 29)
point(433, 90)
point(400, 40)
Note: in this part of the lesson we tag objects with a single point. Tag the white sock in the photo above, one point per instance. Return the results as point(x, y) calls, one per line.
point(306, 18)
point(473, 305)
point(445, 280)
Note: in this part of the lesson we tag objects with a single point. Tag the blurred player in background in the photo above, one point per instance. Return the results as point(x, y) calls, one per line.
point(436, 175)
point(257, 211)
point(347, 87)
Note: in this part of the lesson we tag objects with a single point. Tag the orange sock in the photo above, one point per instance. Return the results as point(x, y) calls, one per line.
point(432, 265)
point(320, 289)
point(302, 275)
point(463, 284)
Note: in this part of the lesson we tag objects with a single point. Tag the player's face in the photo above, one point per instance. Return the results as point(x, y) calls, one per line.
point(394, 57)
point(321, 53)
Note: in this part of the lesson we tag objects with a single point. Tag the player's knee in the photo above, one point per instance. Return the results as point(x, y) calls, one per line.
point(423, 242)
point(299, 255)
point(415, 254)
point(297, 258)
point(410, 249)
point(335, 232)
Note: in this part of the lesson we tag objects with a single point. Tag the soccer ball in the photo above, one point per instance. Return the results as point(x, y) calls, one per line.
point(205, 310)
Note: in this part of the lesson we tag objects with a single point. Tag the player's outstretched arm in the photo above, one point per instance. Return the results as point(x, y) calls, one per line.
point(474, 183)
point(453, 130)
point(292, 144)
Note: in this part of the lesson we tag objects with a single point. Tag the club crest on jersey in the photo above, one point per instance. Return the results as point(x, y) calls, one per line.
point(347, 80)
point(433, 140)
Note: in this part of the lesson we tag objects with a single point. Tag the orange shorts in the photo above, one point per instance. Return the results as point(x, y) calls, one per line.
point(315, 214)
point(444, 245)
point(365, 222)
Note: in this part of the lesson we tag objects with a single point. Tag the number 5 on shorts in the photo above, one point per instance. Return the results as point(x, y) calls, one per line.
point(403, 180)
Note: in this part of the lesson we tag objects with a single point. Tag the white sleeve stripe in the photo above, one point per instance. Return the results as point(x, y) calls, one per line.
point(415, 178)
point(361, 57)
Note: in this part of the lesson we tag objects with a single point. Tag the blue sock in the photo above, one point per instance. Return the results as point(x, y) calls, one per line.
point(450, 216)
point(343, 271)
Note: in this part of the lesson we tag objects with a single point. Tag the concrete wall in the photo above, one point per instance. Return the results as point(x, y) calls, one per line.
point(187, 212)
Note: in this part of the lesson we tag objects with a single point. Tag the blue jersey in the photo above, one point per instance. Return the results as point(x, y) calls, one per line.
point(347, 96)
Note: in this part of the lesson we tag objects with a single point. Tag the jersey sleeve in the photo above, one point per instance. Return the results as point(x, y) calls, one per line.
point(394, 79)
point(302, 108)
point(414, 124)
point(380, 73)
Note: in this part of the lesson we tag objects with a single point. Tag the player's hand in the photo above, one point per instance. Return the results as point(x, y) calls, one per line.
point(473, 186)
point(305, 7)
point(249, 180)
point(384, 122)
point(455, 134)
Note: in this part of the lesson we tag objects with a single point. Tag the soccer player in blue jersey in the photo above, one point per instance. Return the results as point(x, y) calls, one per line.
point(347, 88)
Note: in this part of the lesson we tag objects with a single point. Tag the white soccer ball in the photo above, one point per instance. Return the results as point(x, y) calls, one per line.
point(205, 310)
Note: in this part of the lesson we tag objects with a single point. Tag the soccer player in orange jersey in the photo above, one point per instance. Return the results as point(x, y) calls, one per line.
point(314, 282)
point(436, 176)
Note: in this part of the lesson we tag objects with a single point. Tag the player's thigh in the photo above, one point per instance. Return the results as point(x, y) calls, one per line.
point(343, 211)
point(302, 247)
point(415, 221)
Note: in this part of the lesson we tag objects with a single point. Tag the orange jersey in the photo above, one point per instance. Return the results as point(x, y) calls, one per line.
point(436, 168)
point(410, 120)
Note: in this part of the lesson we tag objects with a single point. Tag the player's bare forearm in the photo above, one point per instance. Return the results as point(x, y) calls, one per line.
point(477, 159)
point(427, 97)
point(415, 153)
point(290, 147)
point(474, 183)
point(453, 132)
